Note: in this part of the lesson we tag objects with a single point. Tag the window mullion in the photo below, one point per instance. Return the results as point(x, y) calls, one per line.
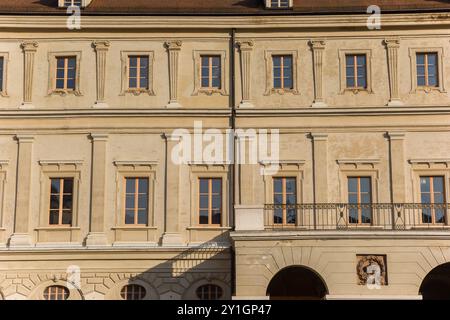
point(210, 201)
point(61, 197)
point(136, 193)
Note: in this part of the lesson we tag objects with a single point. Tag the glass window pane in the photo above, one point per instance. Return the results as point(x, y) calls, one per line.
point(71, 63)
point(133, 83)
point(129, 201)
point(54, 202)
point(361, 60)
point(143, 185)
point(432, 59)
point(144, 62)
point(205, 61)
point(432, 81)
point(353, 185)
point(68, 185)
point(143, 202)
point(131, 183)
point(278, 216)
point(276, 61)
point(133, 61)
point(291, 185)
point(67, 202)
point(352, 198)
point(70, 84)
point(287, 62)
point(133, 72)
point(216, 83)
point(438, 184)
point(420, 70)
point(425, 184)
point(425, 198)
point(350, 82)
point(60, 84)
point(366, 198)
point(365, 184)
point(55, 186)
point(288, 83)
point(277, 185)
point(439, 215)
point(291, 216)
point(216, 202)
point(129, 216)
point(205, 82)
point(349, 60)
point(144, 83)
point(216, 217)
point(438, 198)
point(142, 217)
point(277, 83)
point(204, 202)
point(203, 217)
point(291, 199)
point(67, 217)
point(54, 217)
point(420, 57)
point(426, 215)
point(59, 73)
point(217, 185)
point(216, 62)
point(60, 62)
point(204, 185)
point(278, 199)
point(421, 81)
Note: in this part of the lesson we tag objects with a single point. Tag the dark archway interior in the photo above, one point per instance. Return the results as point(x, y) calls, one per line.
point(436, 285)
point(296, 283)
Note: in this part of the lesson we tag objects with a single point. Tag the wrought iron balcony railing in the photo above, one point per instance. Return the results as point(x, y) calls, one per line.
point(344, 216)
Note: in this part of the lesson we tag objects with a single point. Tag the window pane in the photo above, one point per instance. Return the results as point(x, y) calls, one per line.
point(421, 81)
point(55, 186)
point(278, 199)
point(432, 81)
point(70, 84)
point(129, 216)
point(291, 185)
point(277, 83)
point(425, 184)
point(54, 217)
point(353, 198)
point(438, 184)
point(217, 185)
point(60, 84)
point(216, 216)
point(365, 198)
point(54, 202)
point(349, 60)
point(133, 72)
point(351, 82)
point(67, 202)
point(144, 83)
point(420, 57)
point(205, 82)
point(216, 202)
point(203, 217)
point(353, 185)
point(131, 183)
point(72, 62)
point(67, 217)
point(278, 216)
point(276, 61)
point(133, 61)
point(216, 62)
point(60, 63)
point(432, 59)
point(204, 201)
point(68, 185)
point(291, 216)
point(204, 185)
point(287, 62)
point(365, 184)
point(426, 198)
point(133, 83)
point(277, 185)
point(60, 73)
point(288, 83)
point(216, 83)
point(420, 70)
point(142, 217)
point(129, 202)
point(144, 62)
point(291, 199)
point(143, 202)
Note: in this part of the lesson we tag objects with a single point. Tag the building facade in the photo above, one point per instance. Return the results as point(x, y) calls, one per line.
point(93, 205)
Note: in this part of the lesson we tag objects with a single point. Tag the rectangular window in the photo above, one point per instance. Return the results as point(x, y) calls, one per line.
point(211, 72)
point(66, 73)
point(427, 69)
point(360, 199)
point(136, 201)
point(356, 71)
point(282, 72)
point(61, 201)
point(432, 194)
point(68, 3)
point(138, 70)
point(1, 73)
point(210, 201)
point(285, 200)
point(279, 3)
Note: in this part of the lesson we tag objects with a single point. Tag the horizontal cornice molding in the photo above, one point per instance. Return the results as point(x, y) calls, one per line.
point(437, 19)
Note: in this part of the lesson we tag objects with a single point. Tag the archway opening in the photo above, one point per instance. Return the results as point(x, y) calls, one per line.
point(297, 283)
point(436, 285)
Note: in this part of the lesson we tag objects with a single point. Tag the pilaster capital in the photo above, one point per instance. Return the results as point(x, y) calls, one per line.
point(245, 45)
point(392, 42)
point(319, 136)
point(173, 45)
point(24, 138)
point(101, 45)
point(99, 137)
point(318, 44)
point(396, 135)
point(29, 46)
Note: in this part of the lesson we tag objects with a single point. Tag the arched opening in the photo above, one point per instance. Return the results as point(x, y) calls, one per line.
point(436, 285)
point(297, 283)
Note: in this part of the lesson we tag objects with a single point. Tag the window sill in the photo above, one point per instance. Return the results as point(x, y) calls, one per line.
point(62, 92)
point(138, 92)
point(357, 90)
point(210, 228)
point(428, 90)
point(57, 228)
point(134, 227)
point(281, 91)
point(210, 91)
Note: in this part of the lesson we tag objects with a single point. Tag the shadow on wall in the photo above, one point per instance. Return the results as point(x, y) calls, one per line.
point(207, 267)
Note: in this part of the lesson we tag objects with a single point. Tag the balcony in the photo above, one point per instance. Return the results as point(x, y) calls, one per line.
point(344, 217)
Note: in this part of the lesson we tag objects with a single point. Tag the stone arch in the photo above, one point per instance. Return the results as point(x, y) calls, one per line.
point(38, 292)
point(114, 291)
point(297, 282)
point(436, 284)
point(190, 293)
